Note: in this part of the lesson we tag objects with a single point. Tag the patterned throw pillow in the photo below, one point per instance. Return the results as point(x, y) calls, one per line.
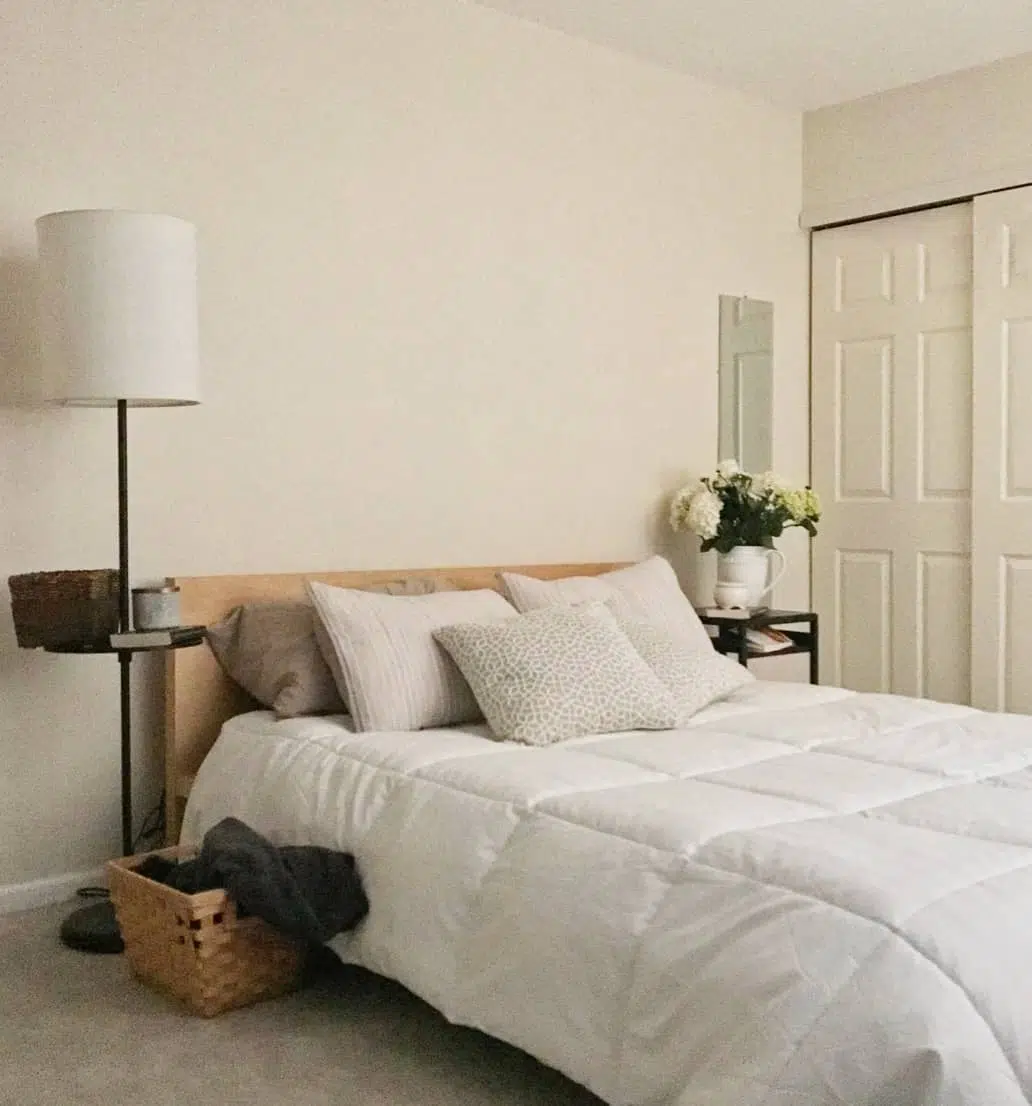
point(558, 673)
point(694, 677)
point(647, 590)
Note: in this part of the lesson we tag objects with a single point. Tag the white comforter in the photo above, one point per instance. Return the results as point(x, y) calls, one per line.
point(808, 897)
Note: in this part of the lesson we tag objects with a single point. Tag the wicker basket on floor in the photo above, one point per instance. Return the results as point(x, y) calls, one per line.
point(194, 947)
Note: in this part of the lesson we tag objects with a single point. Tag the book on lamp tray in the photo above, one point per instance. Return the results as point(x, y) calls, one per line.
point(156, 639)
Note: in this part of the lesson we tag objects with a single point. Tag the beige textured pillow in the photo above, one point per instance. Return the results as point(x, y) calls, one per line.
point(558, 673)
point(694, 677)
point(269, 649)
point(395, 676)
point(647, 590)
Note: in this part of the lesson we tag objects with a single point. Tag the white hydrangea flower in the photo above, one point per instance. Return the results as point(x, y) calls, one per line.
point(769, 482)
point(679, 506)
point(703, 517)
point(728, 468)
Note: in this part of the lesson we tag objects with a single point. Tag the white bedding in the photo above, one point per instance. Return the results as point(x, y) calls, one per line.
point(808, 897)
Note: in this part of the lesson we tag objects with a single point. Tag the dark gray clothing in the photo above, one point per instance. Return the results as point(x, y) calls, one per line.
point(305, 891)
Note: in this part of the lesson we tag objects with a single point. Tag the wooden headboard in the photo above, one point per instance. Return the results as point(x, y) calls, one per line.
point(199, 697)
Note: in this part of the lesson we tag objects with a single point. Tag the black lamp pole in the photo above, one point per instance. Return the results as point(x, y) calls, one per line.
point(125, 656)
point(94, 928)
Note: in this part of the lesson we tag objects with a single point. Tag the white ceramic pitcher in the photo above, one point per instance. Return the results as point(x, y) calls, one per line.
point(751, 565)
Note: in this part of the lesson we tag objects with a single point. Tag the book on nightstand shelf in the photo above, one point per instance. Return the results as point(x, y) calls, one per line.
point(768, 640)
point(733, 612)
point(155, 639)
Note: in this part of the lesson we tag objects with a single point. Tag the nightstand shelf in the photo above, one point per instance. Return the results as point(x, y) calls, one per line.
point(731, 639)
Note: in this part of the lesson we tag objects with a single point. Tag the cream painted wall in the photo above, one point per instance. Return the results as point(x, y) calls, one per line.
point(459, 305)
point(942, 139)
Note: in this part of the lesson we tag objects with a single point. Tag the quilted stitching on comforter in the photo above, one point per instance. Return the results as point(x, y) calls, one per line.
point(806, 897)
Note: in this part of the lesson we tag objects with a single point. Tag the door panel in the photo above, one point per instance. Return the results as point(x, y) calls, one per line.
point(944, 418)
point(863, 590)
point(863, 372)
point(1016, 622)
point(945, 630)
point(1002, 436)
point(892, 446)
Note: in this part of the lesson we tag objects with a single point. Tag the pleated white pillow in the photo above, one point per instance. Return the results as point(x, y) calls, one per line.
point(396, 676)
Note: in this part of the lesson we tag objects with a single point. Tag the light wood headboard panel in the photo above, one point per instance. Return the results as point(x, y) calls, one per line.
point(199, 697)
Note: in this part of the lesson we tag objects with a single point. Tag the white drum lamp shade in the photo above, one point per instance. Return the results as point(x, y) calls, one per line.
point(118, 308)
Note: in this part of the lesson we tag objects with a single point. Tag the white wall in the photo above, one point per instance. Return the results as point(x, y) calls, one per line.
point(459, 305)
point(942, 139)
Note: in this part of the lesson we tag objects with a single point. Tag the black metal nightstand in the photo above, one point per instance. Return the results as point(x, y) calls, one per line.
point(730, 638)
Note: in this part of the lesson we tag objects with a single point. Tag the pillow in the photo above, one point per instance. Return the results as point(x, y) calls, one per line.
point(394, 675)
point(269, 649)
point(405, 585)
point(694, 677)
point(648, 590)
point(559, 673)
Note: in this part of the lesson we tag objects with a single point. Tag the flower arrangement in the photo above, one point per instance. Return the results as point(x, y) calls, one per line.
point(732, 508)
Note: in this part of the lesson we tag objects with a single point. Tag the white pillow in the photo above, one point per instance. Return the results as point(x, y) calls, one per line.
point(694, 677)
point(558, 673)
point(396, 677)
point(648, 590)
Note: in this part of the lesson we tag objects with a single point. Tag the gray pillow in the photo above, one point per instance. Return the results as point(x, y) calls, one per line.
point(269, 649)
point(558, 673)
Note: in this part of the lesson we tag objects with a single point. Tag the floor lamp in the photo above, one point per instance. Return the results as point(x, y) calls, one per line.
point(118, 313)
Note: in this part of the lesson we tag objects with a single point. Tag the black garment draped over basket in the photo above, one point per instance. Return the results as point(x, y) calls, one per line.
point(304, 891)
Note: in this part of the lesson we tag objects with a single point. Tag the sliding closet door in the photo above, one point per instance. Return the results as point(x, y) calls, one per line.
point(1002, 511)
point(891, 431)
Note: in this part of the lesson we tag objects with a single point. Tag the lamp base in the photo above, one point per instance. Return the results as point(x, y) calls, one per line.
point(93, 928)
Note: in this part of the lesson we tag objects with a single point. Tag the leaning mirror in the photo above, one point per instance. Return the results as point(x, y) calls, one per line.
point(746, 412)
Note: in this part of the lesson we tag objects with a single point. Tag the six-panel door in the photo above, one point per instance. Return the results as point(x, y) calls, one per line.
point(891, 430)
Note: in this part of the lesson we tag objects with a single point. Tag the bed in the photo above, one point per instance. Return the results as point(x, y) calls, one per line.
point(806, 896)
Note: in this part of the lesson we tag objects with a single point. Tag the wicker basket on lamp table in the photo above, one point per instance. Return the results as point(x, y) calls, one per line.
point(59, 608)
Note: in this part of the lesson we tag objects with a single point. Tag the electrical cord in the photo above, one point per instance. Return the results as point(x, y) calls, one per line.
point(151, 834)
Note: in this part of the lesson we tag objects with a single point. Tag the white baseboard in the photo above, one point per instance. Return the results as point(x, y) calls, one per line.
point(42, 892)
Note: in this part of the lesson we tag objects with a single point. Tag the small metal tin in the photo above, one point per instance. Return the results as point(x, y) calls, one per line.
point(155, 608)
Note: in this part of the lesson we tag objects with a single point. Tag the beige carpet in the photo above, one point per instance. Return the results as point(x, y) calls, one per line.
point(76, 1030)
